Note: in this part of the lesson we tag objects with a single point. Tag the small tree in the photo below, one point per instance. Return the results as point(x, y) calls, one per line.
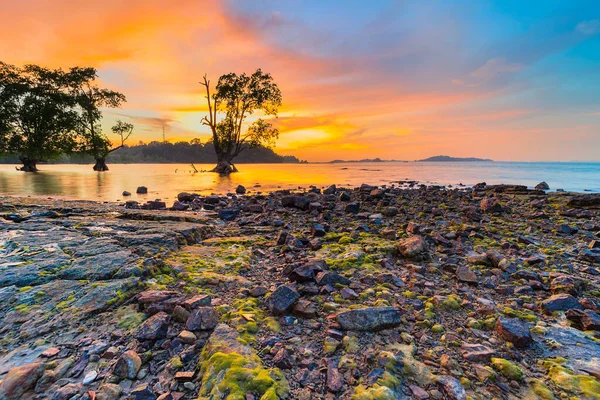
point(91, 99)
point(37, 114)
point(236, 97)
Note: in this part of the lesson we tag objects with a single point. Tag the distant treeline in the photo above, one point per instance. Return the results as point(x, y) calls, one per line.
point(165, 152)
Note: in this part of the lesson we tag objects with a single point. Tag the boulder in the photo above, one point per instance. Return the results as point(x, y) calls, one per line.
point(19, 380)
point(153, 328)
point(142, 190)
point(202, 319)
point(515, 331)
point(331, 278)
point(128, 365)
point(369, 319)
point(542, 186)
point(240, 189)
point(282, 300)
point(414, 248)
point(560, 302)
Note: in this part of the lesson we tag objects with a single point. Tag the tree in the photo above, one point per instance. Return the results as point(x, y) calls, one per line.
point(37, 114)
point(235, 98)
point(91, 99)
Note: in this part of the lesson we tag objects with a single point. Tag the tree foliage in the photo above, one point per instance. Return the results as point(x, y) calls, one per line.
point(236, 97)
point(38, 116)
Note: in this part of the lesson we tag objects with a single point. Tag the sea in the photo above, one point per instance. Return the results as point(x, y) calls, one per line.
point(165, 181)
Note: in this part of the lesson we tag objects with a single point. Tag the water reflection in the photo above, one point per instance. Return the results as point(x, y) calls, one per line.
point(164, 181)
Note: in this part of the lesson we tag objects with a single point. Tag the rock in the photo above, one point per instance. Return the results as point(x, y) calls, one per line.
point(560, 302)
point(126, 193)
point(464, 274)
point(184, 375)
point(282, 359)
point(542, 186)
point(369, 319)
point(202, 319)
point(142, 190)
point(331, 278)
point(186, 197)
point(19, 380)
point(476, 352)
point(299, 202)
point(202, 300)
point(452, 387)
point(128, 365)
point(515, 331)
point(330, 190)
point(586, 320)
point(344, 197)
point(109, 391)
point(335, 380)
point(490, 205)
point(143, 392)
point(90, 377)
point(228, 214)
point(50, 352)
point(282, 300)
point(584, 201)
point(187, 337)
point(318, 230)
point(153, 328)
point(240, 189)
point(414, 248)
point(352, 208)
point(71, 390)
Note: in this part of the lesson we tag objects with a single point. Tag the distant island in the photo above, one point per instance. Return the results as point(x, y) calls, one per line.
point(448, 158)
point(365, 160)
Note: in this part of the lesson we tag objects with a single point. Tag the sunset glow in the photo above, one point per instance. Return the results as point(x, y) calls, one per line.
point(506, 80)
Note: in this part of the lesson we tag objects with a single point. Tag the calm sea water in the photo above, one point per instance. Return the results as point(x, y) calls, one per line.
point(164, 181)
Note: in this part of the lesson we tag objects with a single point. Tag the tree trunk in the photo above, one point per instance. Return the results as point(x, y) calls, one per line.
point(224, 167)
point(29, 165)
point(100, 165)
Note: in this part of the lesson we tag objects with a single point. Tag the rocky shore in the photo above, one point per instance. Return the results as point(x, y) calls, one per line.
point(398, 292)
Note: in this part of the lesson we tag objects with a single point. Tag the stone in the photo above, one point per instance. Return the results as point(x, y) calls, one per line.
point(542, 186)
point(202, 319)
point(352, 208)
point(414, 248)
point(282, 300)
point(240, 189)
point(184, 375)
point(109, 391)
point(465, 274)
point(282, 359)
point(560, 302)
point(318, 230)
point(71, 390)
point(128, 365)
point(476, 352)
point(586, 320)
point(369, 319)
point(335, 380)
point(142, 190)
point(19, 380)
point(50, 352)
point(331, 278)
point(330, 190)
point(452, 387)
point(187, 337)
point(490, 205)
point(202, 300)
point(90, 377)
point(344, 197)
point(143, 392)
point(300, 202)
point(515, 331)
point(228, 214)
point(153, 328)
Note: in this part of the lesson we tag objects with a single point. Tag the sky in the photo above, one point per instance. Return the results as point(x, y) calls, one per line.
point(501, 79)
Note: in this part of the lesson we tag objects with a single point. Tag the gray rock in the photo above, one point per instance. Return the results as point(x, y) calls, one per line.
point(369, 319)
point(452, 387)
point(128, 365)
point(202, 319)
point(542, 186)
point(560, 302)
point(153, 328)
point(282, 300)
point(515, 331)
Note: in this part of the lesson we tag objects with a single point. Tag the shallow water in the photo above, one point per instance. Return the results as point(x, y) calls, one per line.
point(164, 181)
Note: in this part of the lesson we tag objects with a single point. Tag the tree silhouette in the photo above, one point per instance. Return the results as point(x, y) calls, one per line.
point(236, 97)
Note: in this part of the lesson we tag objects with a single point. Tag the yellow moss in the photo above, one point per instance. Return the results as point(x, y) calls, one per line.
point(540, 389)
point(438, 328)
point(581, 385)
point(508, 369)
point(350, 344)
point(176, 363)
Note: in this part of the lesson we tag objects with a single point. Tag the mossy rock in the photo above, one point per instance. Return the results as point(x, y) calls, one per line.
point(508, 369)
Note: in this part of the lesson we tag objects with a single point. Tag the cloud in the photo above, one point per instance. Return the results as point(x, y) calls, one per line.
point(591, 27)
point(495, 67)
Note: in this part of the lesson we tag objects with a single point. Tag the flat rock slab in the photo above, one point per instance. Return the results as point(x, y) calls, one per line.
point(369, 319)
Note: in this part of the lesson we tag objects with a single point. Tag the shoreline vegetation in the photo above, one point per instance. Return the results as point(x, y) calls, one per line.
point(362, 293)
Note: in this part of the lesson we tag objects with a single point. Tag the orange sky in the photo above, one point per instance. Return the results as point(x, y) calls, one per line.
point(349, 92)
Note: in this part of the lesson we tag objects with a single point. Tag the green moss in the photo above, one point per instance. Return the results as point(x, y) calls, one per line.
point(23, 308)
point(236, 376)
point(530, 317)
point(350, 344)
point(580, 385)
point(129, 319)
point(176, 363)
point(330, 345)
point(438, 328)
point(540, 389)
point(24, 289)
point(452, 302)
point(508, 369)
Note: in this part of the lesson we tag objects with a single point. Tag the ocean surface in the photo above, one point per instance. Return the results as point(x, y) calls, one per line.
point(164, 181)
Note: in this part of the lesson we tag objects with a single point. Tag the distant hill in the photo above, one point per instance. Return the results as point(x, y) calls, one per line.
point(448, 158)
point(357, 161)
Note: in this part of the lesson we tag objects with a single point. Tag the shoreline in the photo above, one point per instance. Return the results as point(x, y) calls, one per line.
point(338, 293)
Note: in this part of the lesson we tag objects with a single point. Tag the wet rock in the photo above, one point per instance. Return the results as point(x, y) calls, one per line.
point(414, 248)
point(515, 331)
point(202, 319)
point(330, 190)
point(126, 193)
point(128, 365)
point(19, 380)
point(560, 302)
point(142, 190)
point(240, 189)
point(282, 300)
point(153, 328)
point(369, 319)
